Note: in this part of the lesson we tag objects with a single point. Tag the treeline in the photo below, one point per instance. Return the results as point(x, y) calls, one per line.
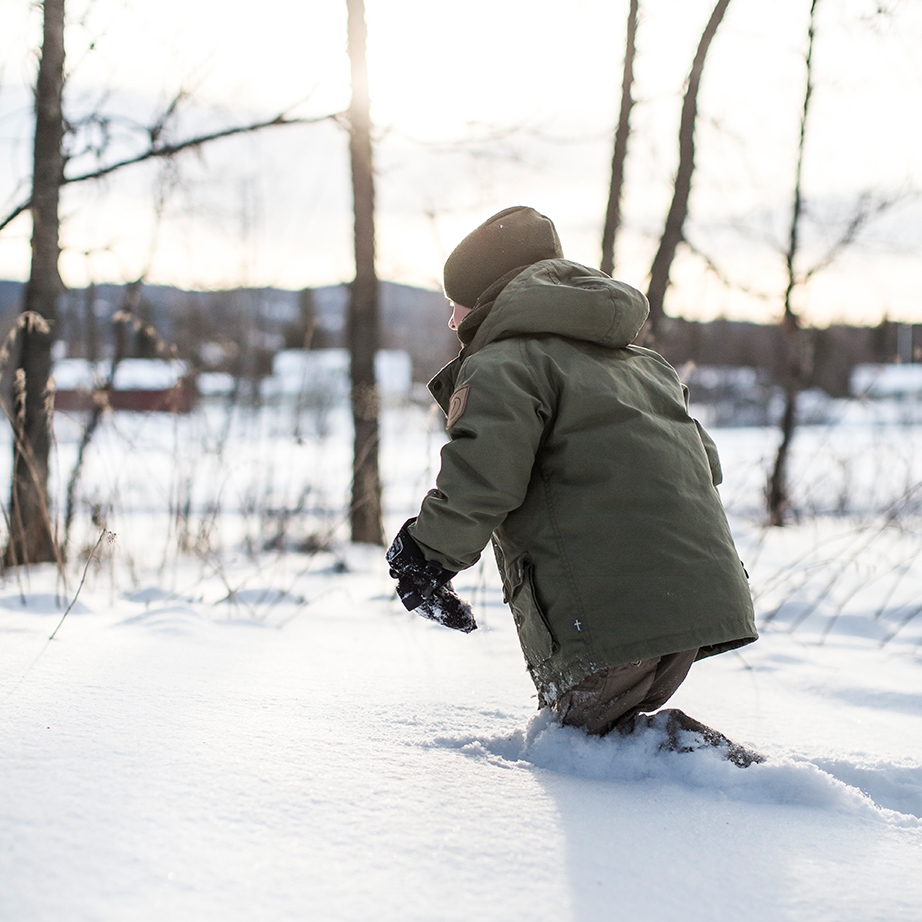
point(239, 331)
point(834, 350)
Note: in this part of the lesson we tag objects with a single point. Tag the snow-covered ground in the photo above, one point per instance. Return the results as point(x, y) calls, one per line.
point(251, 727)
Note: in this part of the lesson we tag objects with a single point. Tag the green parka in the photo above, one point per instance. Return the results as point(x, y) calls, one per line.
point(574, 451)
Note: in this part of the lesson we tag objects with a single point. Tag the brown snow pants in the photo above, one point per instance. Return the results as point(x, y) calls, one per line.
point(610, 698)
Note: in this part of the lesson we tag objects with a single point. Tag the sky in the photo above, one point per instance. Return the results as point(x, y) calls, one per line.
point(478, 106)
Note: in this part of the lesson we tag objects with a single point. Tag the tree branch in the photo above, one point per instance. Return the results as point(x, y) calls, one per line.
point(722, 276)
point(16, 212)
point(171, 150)
point(865, 211)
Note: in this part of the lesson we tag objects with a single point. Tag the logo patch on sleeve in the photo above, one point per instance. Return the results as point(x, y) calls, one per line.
point(457, 405)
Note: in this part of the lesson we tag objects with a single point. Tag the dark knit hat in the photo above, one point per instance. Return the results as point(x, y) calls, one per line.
point(514, 238)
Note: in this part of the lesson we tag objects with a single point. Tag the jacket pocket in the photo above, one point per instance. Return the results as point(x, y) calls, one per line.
point(535, 634)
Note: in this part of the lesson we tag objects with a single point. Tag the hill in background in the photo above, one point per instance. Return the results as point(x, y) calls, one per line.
point(240, 330)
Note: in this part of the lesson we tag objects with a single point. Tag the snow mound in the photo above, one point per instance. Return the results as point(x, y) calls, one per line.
point(171, 620)
point(263, 597)
point(42, 603)
point(150, 594)
point(546, 745)
point(897, 787)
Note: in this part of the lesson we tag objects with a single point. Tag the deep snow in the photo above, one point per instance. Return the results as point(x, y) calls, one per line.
point(216, 734)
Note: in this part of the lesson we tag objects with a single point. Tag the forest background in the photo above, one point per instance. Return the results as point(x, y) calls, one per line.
point(764, 166)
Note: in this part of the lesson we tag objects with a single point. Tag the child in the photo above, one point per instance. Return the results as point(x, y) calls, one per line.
point(573, 451)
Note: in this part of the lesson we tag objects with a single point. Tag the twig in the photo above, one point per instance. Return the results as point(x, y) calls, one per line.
point(105, 534)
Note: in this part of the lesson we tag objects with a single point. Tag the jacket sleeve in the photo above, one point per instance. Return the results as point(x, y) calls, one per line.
point(497, 418)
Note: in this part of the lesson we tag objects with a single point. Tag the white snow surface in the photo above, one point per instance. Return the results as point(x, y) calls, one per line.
point(130, 374)
point(268, 735)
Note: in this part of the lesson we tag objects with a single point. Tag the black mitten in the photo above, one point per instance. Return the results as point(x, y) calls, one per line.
point(417, 578)
point(425, 585)
point(446, 607)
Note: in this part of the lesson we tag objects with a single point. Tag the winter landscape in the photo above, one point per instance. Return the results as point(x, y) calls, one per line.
point(237, 720)
point(214, 706)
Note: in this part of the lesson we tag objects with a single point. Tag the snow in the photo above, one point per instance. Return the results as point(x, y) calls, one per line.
point(214, 383)
point(296, 372)
point(247, 729)
point(130, 374)
point(882, 381)
point(71, 374)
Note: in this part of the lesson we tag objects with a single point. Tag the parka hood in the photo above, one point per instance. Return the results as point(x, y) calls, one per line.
point(563, 298)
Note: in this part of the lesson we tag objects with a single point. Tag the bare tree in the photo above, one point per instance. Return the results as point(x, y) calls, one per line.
point(31, 536)
point(673, 233)
point(798, 354)
point(365, 511)
point(619, 154)
point(31, 528)
point(798, 359)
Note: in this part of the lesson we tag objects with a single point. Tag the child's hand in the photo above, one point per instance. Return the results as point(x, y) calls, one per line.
point(425, 585)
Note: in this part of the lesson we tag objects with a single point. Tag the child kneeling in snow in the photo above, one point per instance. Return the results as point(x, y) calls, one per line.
point(574, 452)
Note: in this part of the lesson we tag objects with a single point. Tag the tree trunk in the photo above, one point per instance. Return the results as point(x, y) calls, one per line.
point(678, 209)
point(31, 537)
point(798, 358)
point(365, 511)
point(619, 155)
point(90, 324)
point(777, 490)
